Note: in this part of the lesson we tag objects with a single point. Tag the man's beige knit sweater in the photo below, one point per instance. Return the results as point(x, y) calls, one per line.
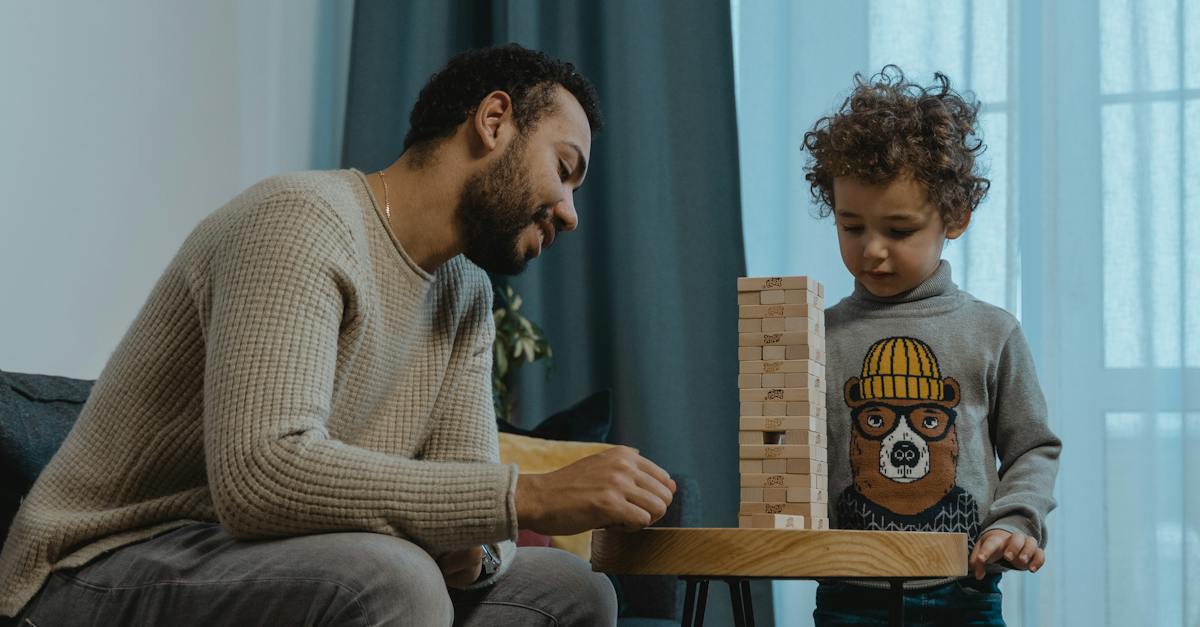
point(292, 372)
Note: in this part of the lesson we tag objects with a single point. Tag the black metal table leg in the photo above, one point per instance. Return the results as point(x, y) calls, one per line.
point(689, 602)
point(896, 613)
point(747, 603)
point(701, 603)
point(735, 596)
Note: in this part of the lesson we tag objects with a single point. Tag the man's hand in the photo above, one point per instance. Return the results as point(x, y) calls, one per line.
point(461, 568)
point(615, 488)
point(1021, 551)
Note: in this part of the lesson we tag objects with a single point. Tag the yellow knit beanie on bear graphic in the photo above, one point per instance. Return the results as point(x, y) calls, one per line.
point(901, 368)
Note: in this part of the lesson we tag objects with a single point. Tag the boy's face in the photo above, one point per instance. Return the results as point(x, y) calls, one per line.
point(891, 236)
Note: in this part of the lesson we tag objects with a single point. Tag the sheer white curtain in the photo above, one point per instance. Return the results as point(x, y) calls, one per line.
point(1091, 235)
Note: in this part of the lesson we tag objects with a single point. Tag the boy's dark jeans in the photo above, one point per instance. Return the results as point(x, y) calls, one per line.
point(963, 602)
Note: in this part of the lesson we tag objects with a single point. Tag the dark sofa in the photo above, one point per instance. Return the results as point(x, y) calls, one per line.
point(37, 411)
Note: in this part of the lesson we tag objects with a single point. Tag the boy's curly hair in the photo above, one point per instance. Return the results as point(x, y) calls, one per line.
point(889, 127)
point(527, 76)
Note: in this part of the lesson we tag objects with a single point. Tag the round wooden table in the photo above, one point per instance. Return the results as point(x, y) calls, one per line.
point(698, 555)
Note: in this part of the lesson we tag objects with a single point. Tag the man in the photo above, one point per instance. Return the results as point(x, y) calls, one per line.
point(298, 429)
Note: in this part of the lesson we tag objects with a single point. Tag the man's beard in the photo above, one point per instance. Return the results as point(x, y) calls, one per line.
point(496, 207)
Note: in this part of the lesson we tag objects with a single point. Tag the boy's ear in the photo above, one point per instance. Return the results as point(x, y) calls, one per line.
point(490, 116)
point(955, 231)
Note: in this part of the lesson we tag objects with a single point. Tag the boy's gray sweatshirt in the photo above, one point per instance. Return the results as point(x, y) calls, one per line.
point(927, 390)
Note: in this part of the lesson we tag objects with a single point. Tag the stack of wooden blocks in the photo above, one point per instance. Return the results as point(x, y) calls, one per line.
point(783, 469)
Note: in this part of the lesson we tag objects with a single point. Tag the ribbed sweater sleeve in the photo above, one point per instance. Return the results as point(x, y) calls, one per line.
point(275, 337)
point(1027, 448)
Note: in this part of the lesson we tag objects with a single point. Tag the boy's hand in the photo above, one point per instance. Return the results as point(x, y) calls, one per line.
point(1021, 551)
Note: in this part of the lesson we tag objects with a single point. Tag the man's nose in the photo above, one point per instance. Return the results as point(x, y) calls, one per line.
point(564, 213)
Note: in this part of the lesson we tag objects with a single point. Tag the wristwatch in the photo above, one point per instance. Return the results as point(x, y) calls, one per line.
point(491, 563)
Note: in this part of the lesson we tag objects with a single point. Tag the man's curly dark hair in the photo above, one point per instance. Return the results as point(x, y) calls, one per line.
point(527, 76)
point(890, 127)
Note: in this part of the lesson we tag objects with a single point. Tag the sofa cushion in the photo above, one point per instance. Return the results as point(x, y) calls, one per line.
point(36, 413)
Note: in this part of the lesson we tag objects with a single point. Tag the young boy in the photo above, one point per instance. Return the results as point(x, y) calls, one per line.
point(928, 386)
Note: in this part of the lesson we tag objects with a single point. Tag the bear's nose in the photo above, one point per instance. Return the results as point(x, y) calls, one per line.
point(905, 454)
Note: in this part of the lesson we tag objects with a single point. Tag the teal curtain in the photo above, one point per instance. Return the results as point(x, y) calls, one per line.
point(641, 299)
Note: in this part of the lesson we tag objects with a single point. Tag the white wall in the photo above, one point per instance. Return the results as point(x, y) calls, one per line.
point(122, 124)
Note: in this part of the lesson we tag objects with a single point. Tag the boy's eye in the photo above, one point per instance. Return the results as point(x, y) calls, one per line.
point(852, 228)
point(901, 233)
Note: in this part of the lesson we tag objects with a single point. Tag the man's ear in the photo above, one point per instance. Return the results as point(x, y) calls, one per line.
point(491, 114)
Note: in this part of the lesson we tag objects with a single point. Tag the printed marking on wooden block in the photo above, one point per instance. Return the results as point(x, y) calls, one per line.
point(795, 366)
point(753, 325)
point(771, 297)
point(751, 437)
point(780, 311)
point(751, 495)
point(781, 423)
point(750, 353)
point(749, 381)
point(781, 451)
point(774, 466)
point(804, 495)
point(775, 394)
point(781, 480)
point(760, 283)
point(805, 466)
point(750, 466)
point(780, 339)
point(770, 325)
point(751, 409)
point(749, 298)
point(773, 353)
point(807, 438)
point(818, 523)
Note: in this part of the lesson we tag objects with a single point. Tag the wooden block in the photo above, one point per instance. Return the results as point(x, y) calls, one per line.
point(774, 466)
point(745, 522)
point(773, 380)
point(779, 339)
point(751, 409)
point(801, 495)
point(779, 311)
point(760, 283)
point(796, 324)
point(780, 423)
point(751, 437)
point(797, 366)
point(774, 521)
point(798, 380)
point(775, 408)
point(800, 297)
point(771, 297)
point(779, 553)
point(818, 523)
point(775, 495)
point(781, 480)
point(750, 380)
point(775, 394)
point(773, 353)
point(812, 408)
point(748, 298)
point(750, 466)
point(807, 438)
point(821, 290)
point(805, 466)
point(753, 495)
point(781, 451)
point(753, 325)
point(808, 510)
point(770, 325)
point(750, 353)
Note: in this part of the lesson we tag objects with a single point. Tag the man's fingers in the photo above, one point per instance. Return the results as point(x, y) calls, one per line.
point(652, 505)
point(652, 484)
point(655, 471)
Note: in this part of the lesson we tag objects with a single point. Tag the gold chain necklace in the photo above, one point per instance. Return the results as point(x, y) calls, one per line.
point(387, 205)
